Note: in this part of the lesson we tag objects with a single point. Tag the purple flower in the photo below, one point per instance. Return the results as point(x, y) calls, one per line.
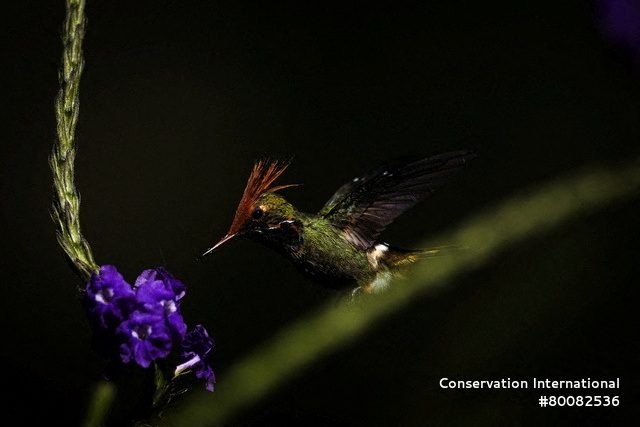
point(196, 348)
point(169, 282)
point(144, 323)
point(144, 337)
point(161, 296)
point(109, 298)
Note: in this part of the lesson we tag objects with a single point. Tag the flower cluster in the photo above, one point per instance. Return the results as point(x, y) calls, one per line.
point(143, 323)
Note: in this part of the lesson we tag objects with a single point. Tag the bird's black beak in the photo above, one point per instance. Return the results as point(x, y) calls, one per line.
point(220, 243)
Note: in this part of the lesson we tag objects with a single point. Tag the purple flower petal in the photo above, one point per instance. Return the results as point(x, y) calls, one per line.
point(176, 286)
point(160, 279)
point(205, 374)
point(144, 337)
point(159, 296)
point(109, 298)
point(145, 276)
point(177, 327)
point(152, 294)
point(197, 346)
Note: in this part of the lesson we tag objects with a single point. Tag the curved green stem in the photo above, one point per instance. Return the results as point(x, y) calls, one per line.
point(487, 234)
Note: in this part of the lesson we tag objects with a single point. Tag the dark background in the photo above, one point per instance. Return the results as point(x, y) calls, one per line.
point(179, 98)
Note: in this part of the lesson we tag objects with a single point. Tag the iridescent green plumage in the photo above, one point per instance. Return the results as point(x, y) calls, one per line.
point(339, 245)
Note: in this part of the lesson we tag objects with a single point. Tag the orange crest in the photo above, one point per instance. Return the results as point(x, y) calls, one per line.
point(262, 176)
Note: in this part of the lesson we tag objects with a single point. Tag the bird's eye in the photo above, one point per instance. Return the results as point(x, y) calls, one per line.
point(257, 214)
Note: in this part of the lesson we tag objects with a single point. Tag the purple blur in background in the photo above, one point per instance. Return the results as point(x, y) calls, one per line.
point(619, 22)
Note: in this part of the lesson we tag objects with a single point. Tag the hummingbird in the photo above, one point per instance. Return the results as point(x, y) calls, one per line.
point(339, 245)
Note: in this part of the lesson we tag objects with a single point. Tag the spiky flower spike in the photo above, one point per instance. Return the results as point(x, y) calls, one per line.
point(264, 173)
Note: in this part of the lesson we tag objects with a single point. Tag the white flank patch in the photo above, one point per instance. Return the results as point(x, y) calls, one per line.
point(377, 252)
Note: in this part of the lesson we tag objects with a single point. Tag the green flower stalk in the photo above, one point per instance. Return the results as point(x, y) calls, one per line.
point(133, 325)
point(66, 205)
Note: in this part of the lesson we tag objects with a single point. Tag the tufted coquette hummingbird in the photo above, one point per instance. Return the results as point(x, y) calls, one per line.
point(339, 245)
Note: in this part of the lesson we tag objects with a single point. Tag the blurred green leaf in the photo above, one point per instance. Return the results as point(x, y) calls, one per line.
point(100, 404)
point(486, 234)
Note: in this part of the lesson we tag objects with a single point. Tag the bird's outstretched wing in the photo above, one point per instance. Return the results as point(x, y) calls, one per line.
point(360, 180)
point(363, 207)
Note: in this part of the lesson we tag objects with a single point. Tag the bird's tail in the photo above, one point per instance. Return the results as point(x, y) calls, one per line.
point(398, 257)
